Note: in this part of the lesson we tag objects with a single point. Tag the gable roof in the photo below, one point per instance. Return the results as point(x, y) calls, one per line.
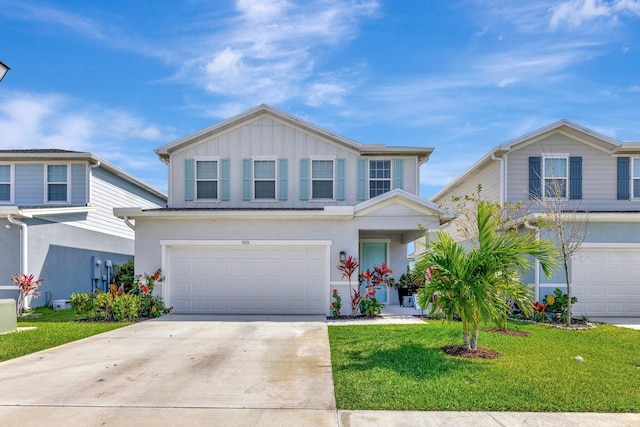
point(565, 127)
point(402, 197)
point(164, 152)
point(44, 154)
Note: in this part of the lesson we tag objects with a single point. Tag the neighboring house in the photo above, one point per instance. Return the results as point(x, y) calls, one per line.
point(57, 223)
point(597, 175)
point(262, 205)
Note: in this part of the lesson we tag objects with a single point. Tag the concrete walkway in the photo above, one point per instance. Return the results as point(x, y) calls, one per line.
point(214, 371)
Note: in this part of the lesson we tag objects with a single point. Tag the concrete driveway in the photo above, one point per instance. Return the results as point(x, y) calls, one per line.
point(179, 370)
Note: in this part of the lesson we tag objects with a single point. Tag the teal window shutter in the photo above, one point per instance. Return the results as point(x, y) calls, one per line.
point(283, 174)
point(304, 179)
point(246, 179)
point(340, 177)
point(624, 173)
point(362, 179)
point(575, 177)
point(188, 179)
point(225, 190)
point(535, 177)
point(398, 173)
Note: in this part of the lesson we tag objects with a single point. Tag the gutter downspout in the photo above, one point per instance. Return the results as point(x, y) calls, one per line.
point(129, 224)
point(89, 175)
point(502, 175)
point(24, 267)
point(536, 263)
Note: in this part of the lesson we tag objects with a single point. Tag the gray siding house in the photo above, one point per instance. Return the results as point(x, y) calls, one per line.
point(263, 205)
point(57, 222)
point(599, 176)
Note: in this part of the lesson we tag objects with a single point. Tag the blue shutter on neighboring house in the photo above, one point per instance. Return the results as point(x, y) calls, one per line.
point(246, 179)
point(304, 179)
point(624, 173)
point(575, 177)
point(225, 183)
point(362, 179)
point(188, 179)
point(398, 173)
point(340, 177)
point(535, 187)
point(283, 174)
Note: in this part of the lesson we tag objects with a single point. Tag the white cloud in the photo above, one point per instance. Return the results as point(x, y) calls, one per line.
point(575, 13)
point(40, 120)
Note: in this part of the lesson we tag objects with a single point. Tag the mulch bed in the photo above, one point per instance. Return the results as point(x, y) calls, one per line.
point(508, 332)
point(459, 351)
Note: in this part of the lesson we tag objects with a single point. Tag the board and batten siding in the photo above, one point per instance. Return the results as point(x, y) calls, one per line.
point(266, 137)
point(599, 174)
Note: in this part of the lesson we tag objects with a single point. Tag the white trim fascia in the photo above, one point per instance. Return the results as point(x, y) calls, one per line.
point(397, 195)
point(595, 245)
point(330, 212)
point(57, 210)
point(248, 242)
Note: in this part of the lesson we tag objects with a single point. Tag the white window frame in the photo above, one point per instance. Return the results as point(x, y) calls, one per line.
point(195, 177)
point(11, 183)
point(369, 179)
point(333, 178)
point(254, 179)
point(46, 184)
point(544, 178)
point(633, 178)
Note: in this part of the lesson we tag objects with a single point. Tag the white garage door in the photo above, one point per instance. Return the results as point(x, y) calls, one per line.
point(606, 281)
point(248, 279)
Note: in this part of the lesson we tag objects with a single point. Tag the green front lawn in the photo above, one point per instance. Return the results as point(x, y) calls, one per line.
point(401, 367)
point(53, 328)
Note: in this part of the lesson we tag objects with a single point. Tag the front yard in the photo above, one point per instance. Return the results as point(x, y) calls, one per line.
point(402, 367)
point(52, 328)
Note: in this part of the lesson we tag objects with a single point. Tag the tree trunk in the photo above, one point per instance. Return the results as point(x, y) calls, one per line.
point(474, 339)
point(465, 340)
point(566, 274)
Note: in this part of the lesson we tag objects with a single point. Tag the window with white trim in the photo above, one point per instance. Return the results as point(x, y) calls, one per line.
point(379, 177)
point(264, 179)
point(206, 179)
point(57, 183)
point(635, 178)
point(322, 179)
point(5, 183)
point(555, 175)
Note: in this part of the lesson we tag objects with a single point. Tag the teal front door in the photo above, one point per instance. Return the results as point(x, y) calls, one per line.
point(374, 253)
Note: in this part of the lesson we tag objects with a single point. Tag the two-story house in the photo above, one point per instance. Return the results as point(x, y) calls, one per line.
point(57, 223)
point(599, 177)
point(263, 206)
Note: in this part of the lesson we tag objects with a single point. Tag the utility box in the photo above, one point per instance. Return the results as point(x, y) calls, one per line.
point(61, 304)
point(8, 317)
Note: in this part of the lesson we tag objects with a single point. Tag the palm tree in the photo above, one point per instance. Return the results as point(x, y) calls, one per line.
point(475, 283)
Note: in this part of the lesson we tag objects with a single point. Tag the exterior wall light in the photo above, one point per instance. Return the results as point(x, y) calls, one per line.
point(343, 256)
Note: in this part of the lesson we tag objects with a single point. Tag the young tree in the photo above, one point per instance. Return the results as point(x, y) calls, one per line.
point(475, 283)
point(348, 267)
point(566, 223)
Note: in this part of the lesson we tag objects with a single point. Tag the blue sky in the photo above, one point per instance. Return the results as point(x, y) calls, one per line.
point(120, 78)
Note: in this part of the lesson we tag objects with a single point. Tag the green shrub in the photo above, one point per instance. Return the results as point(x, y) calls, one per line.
point(82, 303)
point(102, 303)
point(124, 275)
point(370, 307)
point(125, 307)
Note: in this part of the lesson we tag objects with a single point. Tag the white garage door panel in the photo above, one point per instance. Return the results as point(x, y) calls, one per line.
point(606, 282)
point(248, 279)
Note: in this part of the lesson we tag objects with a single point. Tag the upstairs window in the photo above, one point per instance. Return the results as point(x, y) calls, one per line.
point(379, 177)
point(57, 183)
point(635, 178)
point(322, 179)
point(264, 179)
point(206, 179)
point(5, 183)
point(555, 176)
